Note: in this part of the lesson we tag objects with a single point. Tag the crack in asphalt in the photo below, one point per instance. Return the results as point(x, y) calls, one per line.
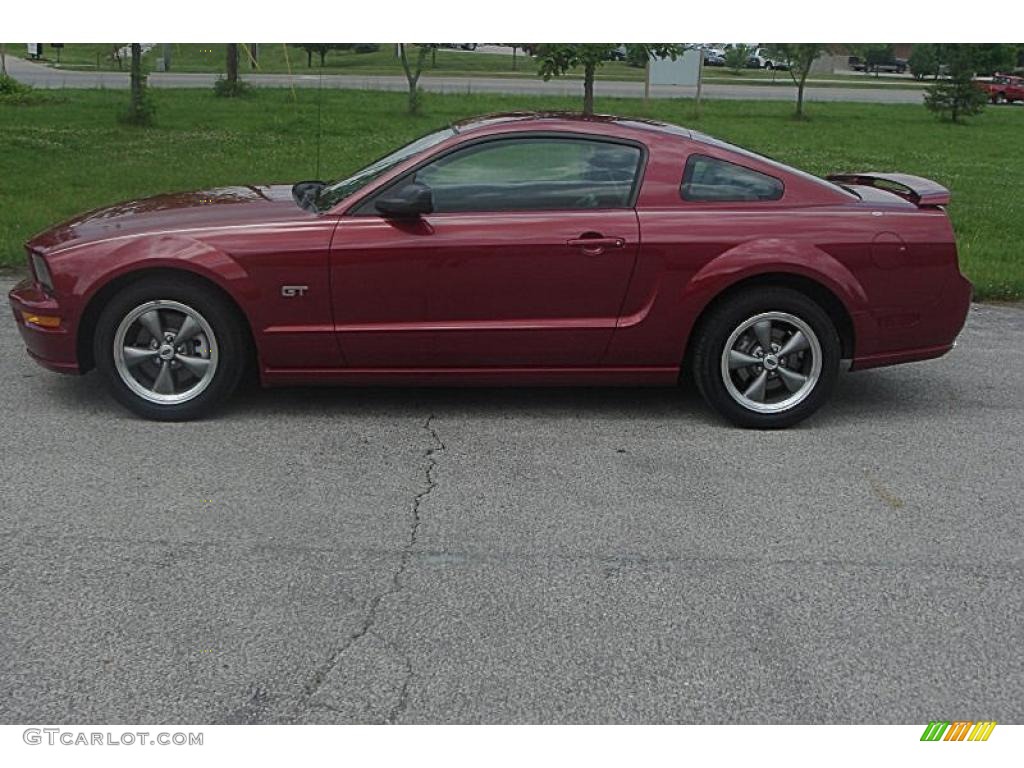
point(373, 604)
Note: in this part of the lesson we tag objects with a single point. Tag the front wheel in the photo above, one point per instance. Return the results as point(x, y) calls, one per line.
point(767, 358)
point(171, 349)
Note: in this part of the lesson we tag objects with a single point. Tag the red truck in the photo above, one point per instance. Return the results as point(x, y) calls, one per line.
point(1003, 88)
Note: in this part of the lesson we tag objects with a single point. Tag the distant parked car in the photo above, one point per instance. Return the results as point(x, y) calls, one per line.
point(761, 58)
point(899, 66)
point(713, 59)
point(1003, 89)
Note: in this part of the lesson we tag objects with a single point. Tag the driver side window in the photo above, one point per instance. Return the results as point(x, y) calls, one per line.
point(533, 174)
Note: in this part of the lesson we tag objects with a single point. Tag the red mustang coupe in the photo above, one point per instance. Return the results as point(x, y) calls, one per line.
point(524, 249)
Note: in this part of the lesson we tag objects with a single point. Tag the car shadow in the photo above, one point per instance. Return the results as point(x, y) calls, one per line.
point(857, 395)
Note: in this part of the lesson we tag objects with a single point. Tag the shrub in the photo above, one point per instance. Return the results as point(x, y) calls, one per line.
point(140, 111)
point(366, 47)
point(230, 88)
point(13, 92)
point(736, 58)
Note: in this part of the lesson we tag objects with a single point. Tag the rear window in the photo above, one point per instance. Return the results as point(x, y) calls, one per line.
point(709, 179)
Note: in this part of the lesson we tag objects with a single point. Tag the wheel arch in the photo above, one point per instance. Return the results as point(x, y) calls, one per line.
point(816, 290)
point(94, 306)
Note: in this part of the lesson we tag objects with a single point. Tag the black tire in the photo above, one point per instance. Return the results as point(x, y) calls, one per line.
point(229, 333)
point(719, 324)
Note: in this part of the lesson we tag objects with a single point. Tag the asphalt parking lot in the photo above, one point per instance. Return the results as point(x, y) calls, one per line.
point(518, 556)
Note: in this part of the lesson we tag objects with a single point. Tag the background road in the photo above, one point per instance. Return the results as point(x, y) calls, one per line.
point(42, 76)
point(517, 556)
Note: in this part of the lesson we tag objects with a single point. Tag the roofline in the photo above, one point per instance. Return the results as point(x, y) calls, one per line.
point(628, 123)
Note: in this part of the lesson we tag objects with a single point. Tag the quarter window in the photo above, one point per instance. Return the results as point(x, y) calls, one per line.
point(533, 174)
point(708, 179)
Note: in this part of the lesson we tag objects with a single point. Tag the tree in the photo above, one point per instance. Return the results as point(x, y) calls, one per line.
point(800, 57)
point(232, 62)
point(737, 56)
point(413, 67)
point(3, 59)
point(924, 60)
point(230, 85)
point(140, 108)
point(320, 49)
point(957, 96)
point(555, 59)
point(990, 58)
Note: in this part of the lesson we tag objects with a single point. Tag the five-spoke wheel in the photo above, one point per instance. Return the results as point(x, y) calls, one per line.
point(170, 348)
point(771, 362)
point(766, 357)
point(165, 351)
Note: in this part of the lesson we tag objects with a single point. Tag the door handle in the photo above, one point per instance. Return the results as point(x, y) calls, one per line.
point(596, 245)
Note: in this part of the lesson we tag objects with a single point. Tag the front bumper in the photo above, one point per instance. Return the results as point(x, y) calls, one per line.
point(52, 348)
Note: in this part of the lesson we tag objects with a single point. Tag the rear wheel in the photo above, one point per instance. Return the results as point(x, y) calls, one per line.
point(170, 349)
point(767, 358)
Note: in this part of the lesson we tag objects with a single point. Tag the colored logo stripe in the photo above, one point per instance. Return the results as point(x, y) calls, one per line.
point(982, 730)
point(958, 730)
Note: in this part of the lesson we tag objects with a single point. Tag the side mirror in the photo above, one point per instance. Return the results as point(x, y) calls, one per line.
point(409, 202)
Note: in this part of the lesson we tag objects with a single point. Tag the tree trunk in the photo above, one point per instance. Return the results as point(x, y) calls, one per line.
point(232, 63)
point(800, 95)
point(412, 74)
point(514, 58)
point(323, 58)
point(3, 59)
point(588, 89)
point(136, 80)
point(309, 59)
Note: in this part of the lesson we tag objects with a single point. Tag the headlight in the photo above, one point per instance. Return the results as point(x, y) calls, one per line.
point(41, 270)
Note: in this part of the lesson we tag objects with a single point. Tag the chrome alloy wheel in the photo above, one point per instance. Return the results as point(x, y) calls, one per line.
point(771, 362)
point(165, 352)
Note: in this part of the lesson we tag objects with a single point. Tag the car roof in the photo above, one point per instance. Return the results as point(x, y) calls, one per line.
point(567, 121)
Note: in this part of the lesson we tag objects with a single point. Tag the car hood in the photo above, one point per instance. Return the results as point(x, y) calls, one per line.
point(178, 212)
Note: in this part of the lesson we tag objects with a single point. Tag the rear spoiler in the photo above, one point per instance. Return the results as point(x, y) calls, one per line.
point(919, 191)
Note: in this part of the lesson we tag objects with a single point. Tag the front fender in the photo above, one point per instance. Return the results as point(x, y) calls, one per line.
point(164, 252)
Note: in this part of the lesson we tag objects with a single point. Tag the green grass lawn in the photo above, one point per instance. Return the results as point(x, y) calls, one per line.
point(67, 153)
point(276, 58)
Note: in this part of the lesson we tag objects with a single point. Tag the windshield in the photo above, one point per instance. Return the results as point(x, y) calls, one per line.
point(334, 193)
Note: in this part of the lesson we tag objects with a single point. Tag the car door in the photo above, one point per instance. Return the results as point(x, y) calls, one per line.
point(524, 261)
